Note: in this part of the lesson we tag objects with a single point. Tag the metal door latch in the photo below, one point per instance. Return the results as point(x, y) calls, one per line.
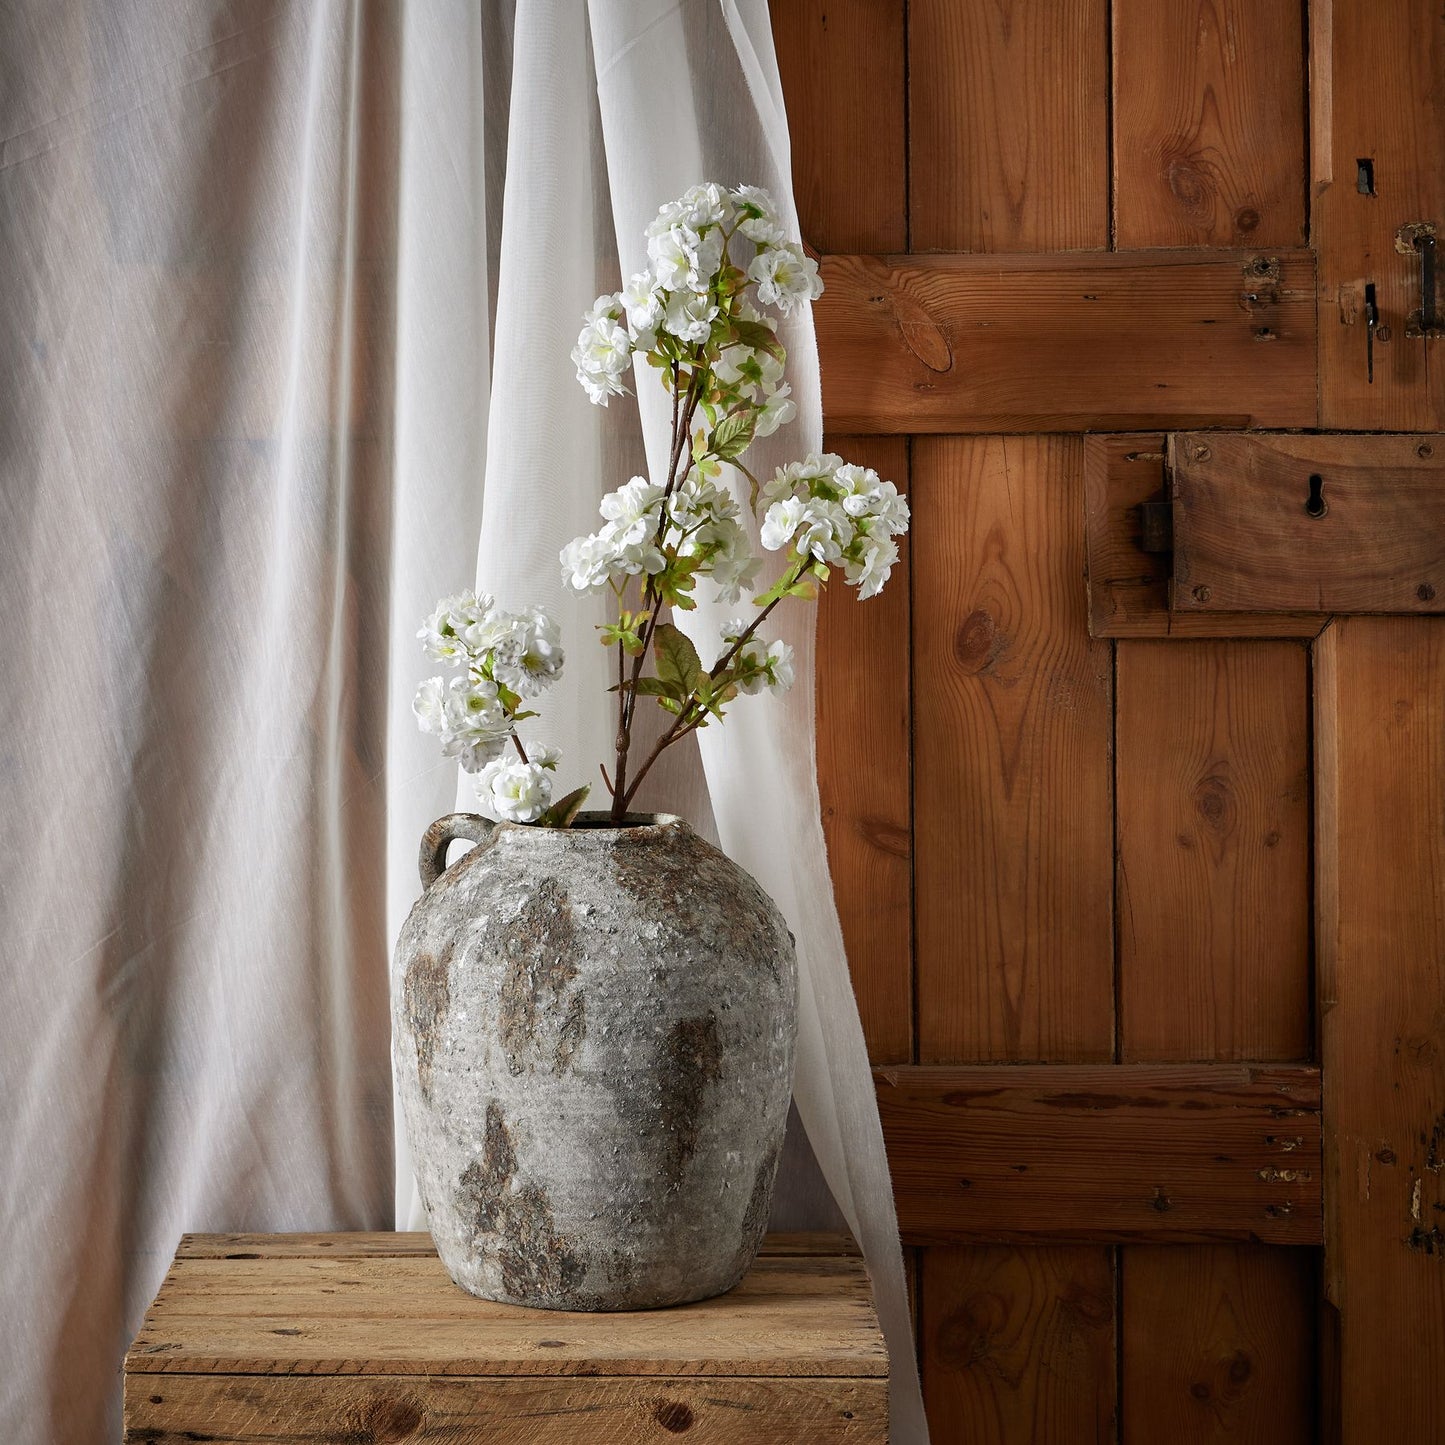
point(1418, 239)
point(1156, 523)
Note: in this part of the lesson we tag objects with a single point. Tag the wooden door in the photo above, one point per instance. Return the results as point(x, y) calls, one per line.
point(1145, 904)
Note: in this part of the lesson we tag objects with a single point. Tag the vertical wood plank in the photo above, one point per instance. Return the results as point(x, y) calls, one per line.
point(1018, 1345)
point(1377, 95)
point(1213, 843)
point(1209, 145)
point(1008, 125)
point(1380, 849)
point(1218, 1345)
point(843, 69)
point(1012, 785)
point(863, 778)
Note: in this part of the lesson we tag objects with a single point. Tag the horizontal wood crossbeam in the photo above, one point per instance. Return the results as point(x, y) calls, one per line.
point(1104, 1152)
point(1074, 341)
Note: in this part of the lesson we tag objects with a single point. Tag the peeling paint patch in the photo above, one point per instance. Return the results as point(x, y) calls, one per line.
point(537, 1263)
point(539, 1021)
point(693, 1062)
point(427, 990)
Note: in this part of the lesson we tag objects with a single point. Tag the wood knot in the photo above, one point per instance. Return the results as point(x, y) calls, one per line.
point(386, 1421)
point(978, 643)
point(673, 1415)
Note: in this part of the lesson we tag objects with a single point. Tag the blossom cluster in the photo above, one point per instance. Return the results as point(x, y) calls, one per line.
point(836, 514)
point(695, 294)
point(692, 532)
point(504, 657)
point(756, 664)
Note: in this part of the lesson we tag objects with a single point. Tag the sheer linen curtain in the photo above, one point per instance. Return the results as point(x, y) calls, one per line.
point(256, 254)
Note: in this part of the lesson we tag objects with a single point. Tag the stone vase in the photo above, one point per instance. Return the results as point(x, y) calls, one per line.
point(593, 1036)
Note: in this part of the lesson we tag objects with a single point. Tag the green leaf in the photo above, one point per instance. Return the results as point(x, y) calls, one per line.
point(562, 812)
point(759, 337)
point(733, 435)
point(676, 659)
point(651, 687)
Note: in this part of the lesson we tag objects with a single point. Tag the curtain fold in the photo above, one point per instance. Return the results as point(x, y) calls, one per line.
point(257, 255)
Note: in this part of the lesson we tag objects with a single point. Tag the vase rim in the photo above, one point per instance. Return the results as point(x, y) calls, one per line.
point(598, 822)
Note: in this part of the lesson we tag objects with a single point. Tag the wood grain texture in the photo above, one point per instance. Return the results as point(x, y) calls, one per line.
point(1209, 99)
point(1129, 588)
point(1008, 125)
point(843, 68)
point(1018, 1345)
point(1376, 74)
point(1213, 844)
point(270, 1410)
point(365, 1244)
point(1012, 799)
point(401, 1315)
point(1380, 849)
point(1083, 342)
point(1244, 541)
point(1218, 1345)
point(1104, 1152)
point(864, 767)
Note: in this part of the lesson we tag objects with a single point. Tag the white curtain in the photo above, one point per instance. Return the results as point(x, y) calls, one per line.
point(255, 256)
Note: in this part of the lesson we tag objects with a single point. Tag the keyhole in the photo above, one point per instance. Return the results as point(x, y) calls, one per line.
point(1316, 506)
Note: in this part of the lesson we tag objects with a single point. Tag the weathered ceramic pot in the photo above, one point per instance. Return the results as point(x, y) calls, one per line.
point(593, 1035)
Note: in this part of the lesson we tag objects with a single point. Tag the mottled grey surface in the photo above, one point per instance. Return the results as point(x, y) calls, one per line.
point(594, 1042)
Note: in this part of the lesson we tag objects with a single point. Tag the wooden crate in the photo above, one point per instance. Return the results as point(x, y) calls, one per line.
point(331, 1337)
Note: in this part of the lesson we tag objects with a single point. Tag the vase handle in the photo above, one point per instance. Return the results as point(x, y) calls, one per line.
point(440, 836)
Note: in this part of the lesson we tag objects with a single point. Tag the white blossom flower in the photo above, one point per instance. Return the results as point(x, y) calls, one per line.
point(801, 479)
point(785, 277)
point(869, 570)
point(443, 634)
point(603, 351)
point(707, 204)
point(758, 216)
point(780, 666)
point(543, 756)
point(778, 410)
point(586, 562)
point(644, 303)
point(781, 521)
point(514, 791)
point(527, 656)
point(634, 510)
point(688, 315)
point(763, 664)
point(466, 715)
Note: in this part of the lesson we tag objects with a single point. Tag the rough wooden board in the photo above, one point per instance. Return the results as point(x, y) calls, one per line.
point(268, 1411)
point(1243, 540)
point(842, 69)
point(1376, 89)
point(1123, 1152)
point(1008, 125)
point(1218, 1344)
point(1078, 342)
point(1380, 850)
point(1129, 588)
point(362, 1244)
point(1013, 821)
point(402, 1315)
point(1208, 123)
point(1212, 783)
point(1018, 1345)
point(864, 777)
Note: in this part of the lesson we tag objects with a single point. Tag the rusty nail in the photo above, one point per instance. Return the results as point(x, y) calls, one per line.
point(1382, 333)
point(1425, 592)
point(1201, 593)
point(1201, 453)
point(1424, 450)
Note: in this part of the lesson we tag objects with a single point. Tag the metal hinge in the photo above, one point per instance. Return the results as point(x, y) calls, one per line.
point(1418, 239)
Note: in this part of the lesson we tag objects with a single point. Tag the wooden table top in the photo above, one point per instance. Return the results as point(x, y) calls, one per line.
point(382, 1304)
